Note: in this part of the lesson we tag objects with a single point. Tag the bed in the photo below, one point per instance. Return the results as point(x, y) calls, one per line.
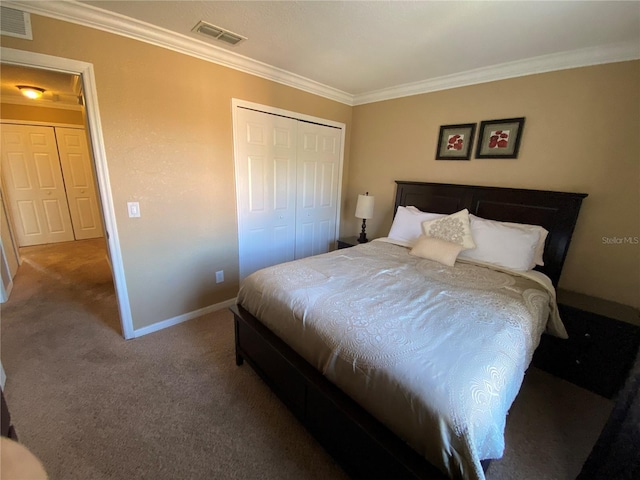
point(357, 395)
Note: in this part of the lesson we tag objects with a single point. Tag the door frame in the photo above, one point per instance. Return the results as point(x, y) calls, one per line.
point(94, 126)
point(236, 102)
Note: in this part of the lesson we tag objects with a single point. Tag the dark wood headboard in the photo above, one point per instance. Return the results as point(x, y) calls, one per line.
point(555, 211)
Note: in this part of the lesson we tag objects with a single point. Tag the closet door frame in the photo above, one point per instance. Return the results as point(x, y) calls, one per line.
point(235, 103)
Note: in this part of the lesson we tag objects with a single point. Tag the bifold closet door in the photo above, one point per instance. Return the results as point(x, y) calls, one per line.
point(318, 163)
point(287, 174)
point(35, 190)
point(266, 183)
point(79, 182)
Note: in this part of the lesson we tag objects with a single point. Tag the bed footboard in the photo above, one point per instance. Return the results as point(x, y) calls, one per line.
point(358, 442)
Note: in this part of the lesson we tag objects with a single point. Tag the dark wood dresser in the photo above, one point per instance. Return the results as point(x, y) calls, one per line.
point(603, 340)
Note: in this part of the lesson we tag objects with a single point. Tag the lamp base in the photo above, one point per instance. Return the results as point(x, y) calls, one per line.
point(363, 236)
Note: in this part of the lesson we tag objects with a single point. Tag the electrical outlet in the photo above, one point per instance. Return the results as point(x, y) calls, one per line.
point(220, 276)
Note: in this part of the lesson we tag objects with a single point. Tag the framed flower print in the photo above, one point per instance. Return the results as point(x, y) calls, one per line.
point(455, 142)
point(500, 138)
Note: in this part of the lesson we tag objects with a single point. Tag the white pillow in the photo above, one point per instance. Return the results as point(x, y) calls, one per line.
point(435, 249)
point(411, 208)
point(502, 245)
point(542, 236)
point(453, 228)
point(407, 225)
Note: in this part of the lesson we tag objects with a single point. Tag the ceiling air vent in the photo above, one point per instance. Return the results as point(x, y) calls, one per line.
point(218, 33)
point(15, 23)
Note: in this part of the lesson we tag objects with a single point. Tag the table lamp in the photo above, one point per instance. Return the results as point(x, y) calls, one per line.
point(364, 210)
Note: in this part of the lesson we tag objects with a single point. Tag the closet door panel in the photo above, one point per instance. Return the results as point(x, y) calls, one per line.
point(35, 190)
point(316, 199)
point(266, 182)
point(79, 181)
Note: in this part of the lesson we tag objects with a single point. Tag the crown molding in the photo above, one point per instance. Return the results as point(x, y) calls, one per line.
point(89, 16)
point(620, 52)
point(93, 17)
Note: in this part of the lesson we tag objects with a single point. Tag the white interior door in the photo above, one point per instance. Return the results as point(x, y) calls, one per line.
point(79, 182)
point(318, 158)
point(33, 180)
point(288, 175)
point(266, 188)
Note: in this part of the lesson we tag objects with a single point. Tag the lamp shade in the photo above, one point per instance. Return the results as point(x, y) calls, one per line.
point(364, 207)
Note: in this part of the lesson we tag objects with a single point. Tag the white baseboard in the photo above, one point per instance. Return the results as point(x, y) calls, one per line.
point(170, 322)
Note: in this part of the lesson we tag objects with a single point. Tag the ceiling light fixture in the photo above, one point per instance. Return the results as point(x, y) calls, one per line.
point(31, 92)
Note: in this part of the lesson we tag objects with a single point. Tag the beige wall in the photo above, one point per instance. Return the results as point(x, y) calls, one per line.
point(167, 128)
point(9, 111)
point(582, 134)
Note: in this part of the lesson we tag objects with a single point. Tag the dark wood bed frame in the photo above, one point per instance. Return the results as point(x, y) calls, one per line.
point(361, 444)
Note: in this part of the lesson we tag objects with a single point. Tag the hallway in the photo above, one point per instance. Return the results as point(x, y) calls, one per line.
point(71, 277)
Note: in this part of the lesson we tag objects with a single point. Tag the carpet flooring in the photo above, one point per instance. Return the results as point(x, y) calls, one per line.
point(173, 404)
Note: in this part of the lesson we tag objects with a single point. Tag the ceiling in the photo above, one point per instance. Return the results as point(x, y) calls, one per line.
point(362, 51)
point(61, 89)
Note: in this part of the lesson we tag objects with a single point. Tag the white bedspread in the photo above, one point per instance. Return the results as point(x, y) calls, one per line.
point(436, 353)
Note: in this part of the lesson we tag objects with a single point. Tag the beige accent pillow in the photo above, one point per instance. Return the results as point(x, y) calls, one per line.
point(453, 228)
point(435, 249)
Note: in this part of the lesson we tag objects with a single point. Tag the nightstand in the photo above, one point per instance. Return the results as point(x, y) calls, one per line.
point(347, 242)
point(603, 340)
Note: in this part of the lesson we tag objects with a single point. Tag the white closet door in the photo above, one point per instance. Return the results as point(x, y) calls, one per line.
point(79, 182)
point(317, 188)
point(35, 190)
point(266, 183)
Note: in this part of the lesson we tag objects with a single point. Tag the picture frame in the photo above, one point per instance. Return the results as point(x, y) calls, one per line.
point(455, 142)
point(500, 138)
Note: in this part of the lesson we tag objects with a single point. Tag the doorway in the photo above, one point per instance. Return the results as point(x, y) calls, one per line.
point(92, 121)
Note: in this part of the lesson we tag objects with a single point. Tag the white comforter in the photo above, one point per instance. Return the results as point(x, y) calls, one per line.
point(436, 353)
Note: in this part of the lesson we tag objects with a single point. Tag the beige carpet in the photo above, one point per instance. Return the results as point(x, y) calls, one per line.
point(173, 404)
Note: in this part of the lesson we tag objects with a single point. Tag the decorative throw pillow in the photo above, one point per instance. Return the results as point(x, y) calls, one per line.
point(435, 249)
point(453, 228)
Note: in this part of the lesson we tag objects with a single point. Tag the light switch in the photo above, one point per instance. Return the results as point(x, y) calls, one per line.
point(220, 276)
point(134, 209)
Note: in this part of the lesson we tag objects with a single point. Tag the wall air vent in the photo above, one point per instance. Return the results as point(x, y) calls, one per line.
point(218, 33)
point(15, 23)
